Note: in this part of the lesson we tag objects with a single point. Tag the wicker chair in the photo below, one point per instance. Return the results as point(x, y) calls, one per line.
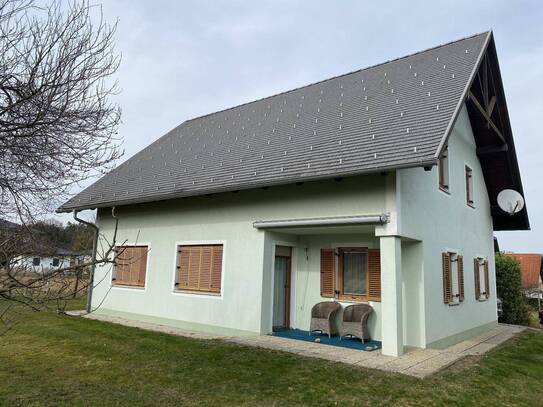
point(355, 321)
point(323, 318)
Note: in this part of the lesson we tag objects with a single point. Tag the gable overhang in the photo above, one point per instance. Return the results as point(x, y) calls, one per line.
point(484, 98)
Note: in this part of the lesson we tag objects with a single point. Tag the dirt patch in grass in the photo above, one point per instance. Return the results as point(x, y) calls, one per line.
point(465, 363)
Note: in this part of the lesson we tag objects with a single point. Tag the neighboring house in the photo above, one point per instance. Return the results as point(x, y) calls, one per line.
point(377, 186)
point(46, 260)
point(531, 269)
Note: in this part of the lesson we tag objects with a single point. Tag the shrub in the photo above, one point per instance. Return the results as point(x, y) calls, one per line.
point(508, 286)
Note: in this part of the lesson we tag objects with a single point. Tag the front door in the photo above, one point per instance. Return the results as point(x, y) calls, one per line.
point(281, 289)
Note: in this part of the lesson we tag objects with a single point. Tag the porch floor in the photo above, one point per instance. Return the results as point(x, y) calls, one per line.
point(323, 339)
point(415, 362)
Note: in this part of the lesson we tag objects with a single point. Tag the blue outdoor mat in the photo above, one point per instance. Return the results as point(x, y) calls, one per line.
point(345, 342)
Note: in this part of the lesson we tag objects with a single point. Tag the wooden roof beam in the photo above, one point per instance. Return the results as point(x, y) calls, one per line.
point(484, 113)
point(492, 149)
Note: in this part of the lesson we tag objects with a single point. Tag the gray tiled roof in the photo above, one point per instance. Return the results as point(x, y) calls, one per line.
point(391, 115)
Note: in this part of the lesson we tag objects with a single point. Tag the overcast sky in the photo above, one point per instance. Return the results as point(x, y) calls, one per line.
point(182, 59)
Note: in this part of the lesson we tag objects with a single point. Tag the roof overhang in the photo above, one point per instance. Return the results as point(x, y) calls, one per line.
point(275, 183)
point(484, 98)
point(487, 109)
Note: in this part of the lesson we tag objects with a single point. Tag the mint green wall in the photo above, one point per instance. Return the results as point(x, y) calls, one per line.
point(245, 302)
point(413, 294)
point(444, 221)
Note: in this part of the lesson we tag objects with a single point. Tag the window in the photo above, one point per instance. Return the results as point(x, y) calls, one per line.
point(453, 278)
point(36, 261)
point(443, 168)
point(482, 285)
point(351, 273)
point(56, 261)
point(199, 268)
point(469, 186)
point(130, 266)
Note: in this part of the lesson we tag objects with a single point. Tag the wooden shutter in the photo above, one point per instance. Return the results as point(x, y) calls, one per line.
point(374, 274)
point(199, 268)
point(183, 264)
point(216, 269)
point(447, 281)
point(460, 260)
point(327, 272)
point(130, 265)
point(477, 276)
point(487, 283)
point(140, 265)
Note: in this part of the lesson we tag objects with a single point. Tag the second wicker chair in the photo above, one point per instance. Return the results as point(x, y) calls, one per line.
point(355, 321)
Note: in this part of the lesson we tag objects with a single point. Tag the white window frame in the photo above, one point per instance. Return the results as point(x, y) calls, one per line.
point(367, 245)
point(455, 283)
point(482, 280)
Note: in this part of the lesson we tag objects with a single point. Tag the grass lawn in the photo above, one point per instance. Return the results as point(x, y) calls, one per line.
point(49, 359)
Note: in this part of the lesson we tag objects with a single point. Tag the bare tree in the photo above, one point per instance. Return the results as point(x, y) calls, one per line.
point(58, 124)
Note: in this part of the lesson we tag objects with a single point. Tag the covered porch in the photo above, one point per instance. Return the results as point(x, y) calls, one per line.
point(346, 260)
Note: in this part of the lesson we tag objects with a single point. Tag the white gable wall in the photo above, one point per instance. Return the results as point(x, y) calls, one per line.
point(444, 222)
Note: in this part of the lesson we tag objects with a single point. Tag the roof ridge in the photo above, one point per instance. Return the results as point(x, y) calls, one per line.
point(334, 77)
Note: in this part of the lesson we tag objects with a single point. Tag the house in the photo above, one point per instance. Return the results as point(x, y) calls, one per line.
point(531, 269)
point(377, 186)
point(47, 259)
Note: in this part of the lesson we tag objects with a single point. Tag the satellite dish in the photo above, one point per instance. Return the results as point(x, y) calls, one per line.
point(510, 201)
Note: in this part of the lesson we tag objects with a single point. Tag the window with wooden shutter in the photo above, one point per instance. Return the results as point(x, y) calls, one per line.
point(453, 278)
point(482, 286)
point(477, 276)
point(443, 170)
point(199, 268)
point(357, 276)
point(447, 280)
point(469, 186)
point(327, 272)
point(130, 266)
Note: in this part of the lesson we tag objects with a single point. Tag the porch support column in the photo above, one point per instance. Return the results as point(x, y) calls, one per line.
point(391, 296)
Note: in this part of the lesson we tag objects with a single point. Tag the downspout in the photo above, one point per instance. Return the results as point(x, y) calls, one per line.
point(93, 260)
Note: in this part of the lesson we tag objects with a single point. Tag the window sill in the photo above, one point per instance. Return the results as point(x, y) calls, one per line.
point(129, 286)
point(454, 304)
point(357, 300)
point(196, 292)
point(446, 191)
